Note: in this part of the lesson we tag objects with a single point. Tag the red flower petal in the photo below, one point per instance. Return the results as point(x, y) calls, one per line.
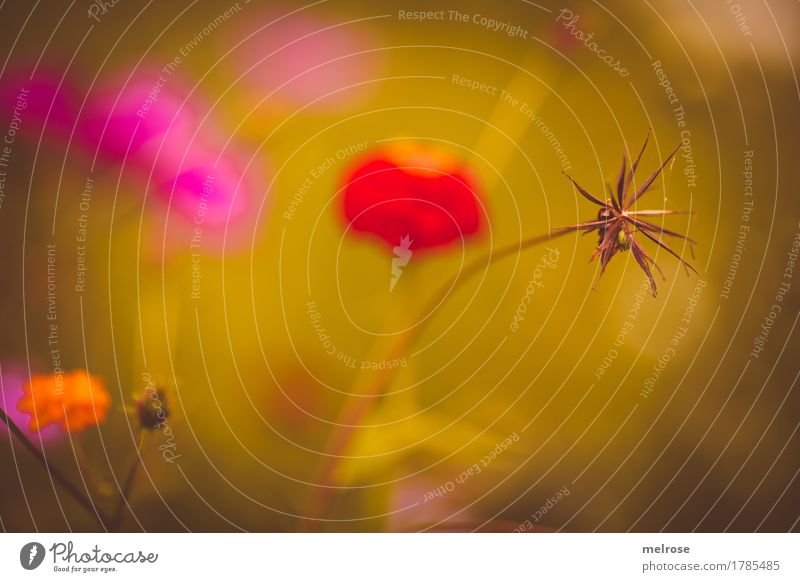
point(414, 192)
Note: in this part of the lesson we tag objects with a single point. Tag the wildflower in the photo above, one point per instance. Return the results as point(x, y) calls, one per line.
point(74, 400)
point(211, 195)
point(124, 115)
point(617, 222)
point(44, 101)
point(208, 196)
point(410, 191)
point(151, 407)
point(298, 59)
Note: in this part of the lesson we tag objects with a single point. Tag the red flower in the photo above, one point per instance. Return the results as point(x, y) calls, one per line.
point(415, 192)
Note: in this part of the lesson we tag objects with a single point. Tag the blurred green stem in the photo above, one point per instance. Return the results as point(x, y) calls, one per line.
point(126, 488)
point(83, 500)
point(356, 408)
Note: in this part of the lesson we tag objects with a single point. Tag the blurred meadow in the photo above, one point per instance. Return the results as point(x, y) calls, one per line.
point(534, 396)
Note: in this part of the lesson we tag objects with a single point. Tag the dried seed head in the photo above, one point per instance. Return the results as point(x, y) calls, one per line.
point(617, 223)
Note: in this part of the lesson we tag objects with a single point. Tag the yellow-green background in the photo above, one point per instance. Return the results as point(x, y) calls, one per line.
point(228, 358)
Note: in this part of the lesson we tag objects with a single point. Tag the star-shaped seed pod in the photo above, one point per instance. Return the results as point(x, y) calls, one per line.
point(618, 223)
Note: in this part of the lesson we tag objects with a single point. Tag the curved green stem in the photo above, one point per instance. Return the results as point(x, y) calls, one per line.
point(126, 488)
point(355, 410)
point(476, 266)
point(82, 499)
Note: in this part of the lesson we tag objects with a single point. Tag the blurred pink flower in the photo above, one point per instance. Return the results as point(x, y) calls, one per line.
point(414, 508)
point(41, 101)
point(199, 185)
point(207, 197)
point(12, 381)
point(123, 115)
point(312, 55)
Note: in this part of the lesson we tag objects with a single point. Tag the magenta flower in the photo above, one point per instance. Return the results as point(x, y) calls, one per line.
point(124, 115)
point(208, 197)
point(41, 101)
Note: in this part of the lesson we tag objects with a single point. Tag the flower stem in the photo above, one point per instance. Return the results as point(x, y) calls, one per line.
point(354, 410)
point(82, 499)
point(126, 488)
point(475, 267)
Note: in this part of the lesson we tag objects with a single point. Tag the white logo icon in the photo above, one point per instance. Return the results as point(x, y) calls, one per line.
point(402, 256)
point(31, 555)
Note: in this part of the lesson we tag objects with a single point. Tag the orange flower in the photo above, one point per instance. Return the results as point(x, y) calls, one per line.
point(74, 400)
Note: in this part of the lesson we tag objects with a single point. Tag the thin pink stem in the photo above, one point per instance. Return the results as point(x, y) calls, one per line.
point(355, 410)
